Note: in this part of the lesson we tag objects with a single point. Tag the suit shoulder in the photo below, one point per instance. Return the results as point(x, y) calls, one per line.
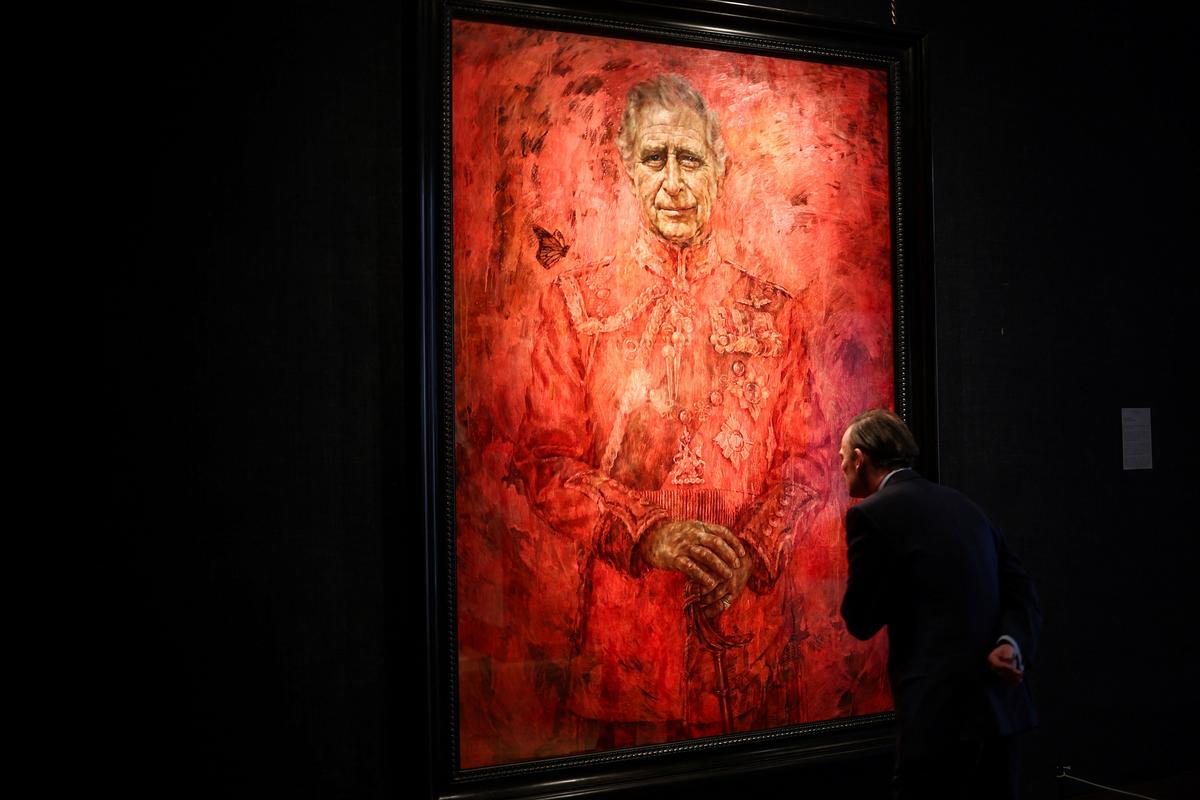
point(949, 494)
point(911, 490)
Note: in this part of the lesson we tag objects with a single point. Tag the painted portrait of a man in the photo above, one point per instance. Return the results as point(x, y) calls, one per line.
point(672, 282)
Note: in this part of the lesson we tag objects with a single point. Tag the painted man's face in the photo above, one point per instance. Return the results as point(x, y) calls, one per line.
point(674, 173)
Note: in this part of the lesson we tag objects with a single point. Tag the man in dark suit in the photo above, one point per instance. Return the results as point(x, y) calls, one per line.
point(962, 616)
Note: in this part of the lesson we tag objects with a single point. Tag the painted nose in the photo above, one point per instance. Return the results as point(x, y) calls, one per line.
point(671, 182)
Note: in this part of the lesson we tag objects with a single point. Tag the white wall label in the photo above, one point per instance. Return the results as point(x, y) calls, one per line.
point(1135, 439)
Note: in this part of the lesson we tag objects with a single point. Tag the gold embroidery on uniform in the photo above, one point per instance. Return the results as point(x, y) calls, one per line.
point(738, 330)
point(689, 466)
point(733, 441)
point(589, 325)
point(751, 391)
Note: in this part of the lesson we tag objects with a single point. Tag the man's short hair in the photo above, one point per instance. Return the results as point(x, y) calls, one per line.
point(667, 91)
point(885, 438)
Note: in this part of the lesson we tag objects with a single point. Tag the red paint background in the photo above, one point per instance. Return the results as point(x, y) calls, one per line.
point(805, 203)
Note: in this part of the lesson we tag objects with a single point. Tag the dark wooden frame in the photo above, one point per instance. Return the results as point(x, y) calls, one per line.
point(721, 25)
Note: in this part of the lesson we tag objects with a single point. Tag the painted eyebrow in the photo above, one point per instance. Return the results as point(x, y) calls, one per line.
point(661, 150)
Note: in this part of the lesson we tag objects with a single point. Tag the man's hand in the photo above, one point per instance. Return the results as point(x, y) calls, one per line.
point(708, 554)
point(719, 599)
point(1005, 665)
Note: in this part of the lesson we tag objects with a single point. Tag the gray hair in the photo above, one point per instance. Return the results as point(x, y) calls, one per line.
point(885, 438)
point(667, 91)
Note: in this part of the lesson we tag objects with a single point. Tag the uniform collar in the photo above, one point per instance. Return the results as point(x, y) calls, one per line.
point(681, 265)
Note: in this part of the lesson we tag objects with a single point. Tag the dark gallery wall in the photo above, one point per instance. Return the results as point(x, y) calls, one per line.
point(243, 343)
point(261, 363)
point(1064, 165)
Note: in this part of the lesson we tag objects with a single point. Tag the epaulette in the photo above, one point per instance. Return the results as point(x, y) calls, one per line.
point(581, 321)
point(758, 279)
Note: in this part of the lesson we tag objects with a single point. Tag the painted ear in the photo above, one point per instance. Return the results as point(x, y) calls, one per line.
point(730, 167)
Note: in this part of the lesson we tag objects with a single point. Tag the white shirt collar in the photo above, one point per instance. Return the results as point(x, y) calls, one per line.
point(888, 477)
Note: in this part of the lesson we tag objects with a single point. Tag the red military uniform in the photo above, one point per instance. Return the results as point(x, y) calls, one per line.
point(668, 384)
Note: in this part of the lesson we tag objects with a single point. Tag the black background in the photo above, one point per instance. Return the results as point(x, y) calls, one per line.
point(261, 353)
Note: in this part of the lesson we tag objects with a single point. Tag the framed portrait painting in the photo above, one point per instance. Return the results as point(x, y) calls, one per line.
point(672, 258)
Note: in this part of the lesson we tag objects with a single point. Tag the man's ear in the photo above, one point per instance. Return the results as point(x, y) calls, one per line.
point(729, 168)
point(627, 168)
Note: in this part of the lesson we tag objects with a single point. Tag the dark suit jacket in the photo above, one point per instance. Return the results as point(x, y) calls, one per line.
point(927, 563)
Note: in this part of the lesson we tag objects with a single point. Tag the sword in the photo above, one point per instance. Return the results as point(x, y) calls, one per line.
point(717, 643)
